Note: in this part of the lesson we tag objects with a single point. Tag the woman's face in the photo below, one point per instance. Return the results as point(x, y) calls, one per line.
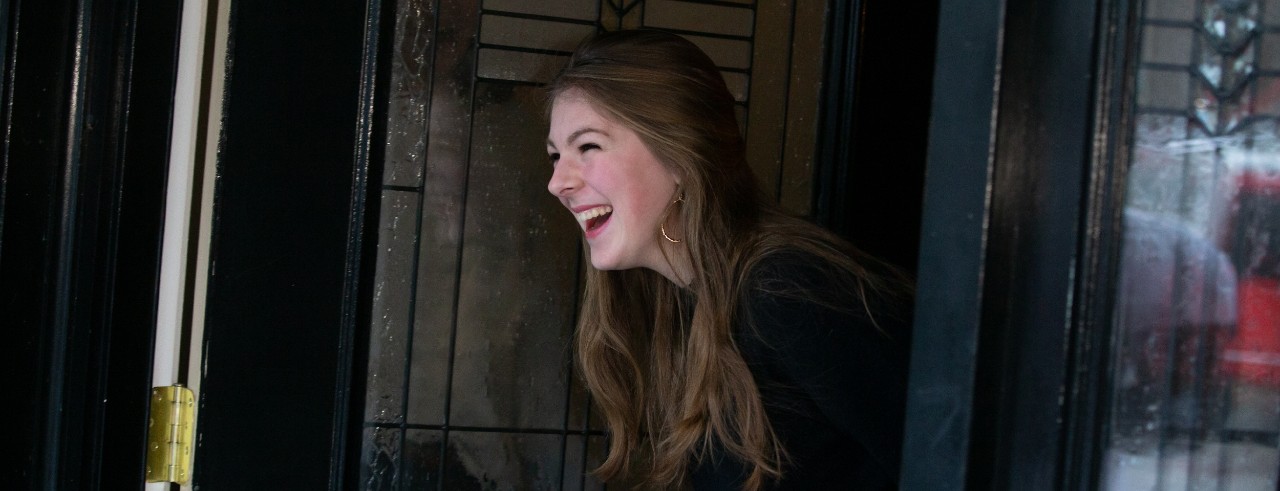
point(614, 186)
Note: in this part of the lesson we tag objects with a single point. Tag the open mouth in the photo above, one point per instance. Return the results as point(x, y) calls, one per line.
point(597, 222)
point(594, 218)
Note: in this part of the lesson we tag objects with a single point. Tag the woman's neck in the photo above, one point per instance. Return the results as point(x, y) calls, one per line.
point(677, 268)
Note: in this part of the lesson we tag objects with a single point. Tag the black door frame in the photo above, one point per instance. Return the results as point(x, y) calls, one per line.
point(1020, 214)
point(1010, 366)
point(874, 125)
point(86, 109)
point(287, 315)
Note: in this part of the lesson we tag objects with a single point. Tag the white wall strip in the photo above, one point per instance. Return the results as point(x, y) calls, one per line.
point(178, 193)
point(196, 367)
point(178, 198)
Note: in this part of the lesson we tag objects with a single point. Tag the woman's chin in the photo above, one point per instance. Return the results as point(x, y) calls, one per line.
point(605, 262)
point(603, 265)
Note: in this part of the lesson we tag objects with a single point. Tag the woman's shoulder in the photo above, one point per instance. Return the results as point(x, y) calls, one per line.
point(795, 260)
point(793, 288)
point(829, 275)
point(786, 267)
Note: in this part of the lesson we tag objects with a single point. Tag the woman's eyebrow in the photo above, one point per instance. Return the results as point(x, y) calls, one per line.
point(576, 134)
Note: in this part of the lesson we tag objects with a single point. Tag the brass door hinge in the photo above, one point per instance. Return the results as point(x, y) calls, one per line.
point(169, 437)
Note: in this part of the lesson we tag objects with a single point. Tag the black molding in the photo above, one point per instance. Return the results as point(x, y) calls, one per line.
point(292, 232)
point(940, 404)
point(1010, 368)
point(371, 137)
point(86, 111)
point(833, 151)
point(869, 166)
point(1091, 380)
point(1042, 157)
point(140, 121)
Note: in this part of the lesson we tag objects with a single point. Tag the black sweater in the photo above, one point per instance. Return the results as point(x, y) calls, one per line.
point(833, 383)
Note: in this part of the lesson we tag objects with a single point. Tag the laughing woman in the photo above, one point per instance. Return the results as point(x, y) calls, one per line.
point(728, 345)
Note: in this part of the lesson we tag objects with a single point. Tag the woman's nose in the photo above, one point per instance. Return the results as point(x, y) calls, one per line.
point(564, 179)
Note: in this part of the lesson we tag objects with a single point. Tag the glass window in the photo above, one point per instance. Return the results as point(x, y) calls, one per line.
point(470, 383)
point(1196, 401)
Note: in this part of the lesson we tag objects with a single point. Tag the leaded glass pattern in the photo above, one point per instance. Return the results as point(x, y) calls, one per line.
point(470, 379)
point(1197, 318)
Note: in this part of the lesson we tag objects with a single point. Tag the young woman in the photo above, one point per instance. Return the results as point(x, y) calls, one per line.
point(728, 345)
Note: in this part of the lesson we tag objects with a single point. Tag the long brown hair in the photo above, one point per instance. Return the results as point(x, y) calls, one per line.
point(660, 361)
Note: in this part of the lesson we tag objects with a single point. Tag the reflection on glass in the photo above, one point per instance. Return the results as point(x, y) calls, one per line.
point(1178, 10)
point(381, 459)
point(727, 53)
point(1196, 402)
point(1166, 44)
point(422, 460)
point(580, 451)
point(689, 16)
point(384, 395)
point(539, 34)
point(1226, 72)
point(518, 275)
point(572, 9)
point(518, 66)
point(500, 460)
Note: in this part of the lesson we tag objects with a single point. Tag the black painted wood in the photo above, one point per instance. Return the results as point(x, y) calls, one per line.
point(86, 119)
point(297, 156)
point(35, 104)
point(1022, 201)
point(362, 253)
point(149, 46)
point(1042, 155)
point(1091, 380)
point(940, 403)
point(869, 176)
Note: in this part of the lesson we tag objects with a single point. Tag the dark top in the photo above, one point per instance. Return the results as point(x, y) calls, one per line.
point(833, 383)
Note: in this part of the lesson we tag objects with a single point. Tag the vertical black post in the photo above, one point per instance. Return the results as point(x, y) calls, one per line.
point(953, 248)
point(300, 148)
point(869, 165)
point(86, 108)
point(1042, 157)
point(1010, 319)
point(1090, 384)
point(362, 238)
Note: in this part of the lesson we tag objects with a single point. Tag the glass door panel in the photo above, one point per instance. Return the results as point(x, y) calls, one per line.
point(1196, 403)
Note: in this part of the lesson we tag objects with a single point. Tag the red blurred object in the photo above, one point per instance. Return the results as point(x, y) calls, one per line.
point(1253, 354)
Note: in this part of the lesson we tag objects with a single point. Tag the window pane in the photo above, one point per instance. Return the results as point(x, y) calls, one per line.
point(1197, 352)
point(687, 16)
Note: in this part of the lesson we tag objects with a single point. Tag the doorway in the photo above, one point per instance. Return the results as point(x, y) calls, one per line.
point(365, 295)
point(470, 379)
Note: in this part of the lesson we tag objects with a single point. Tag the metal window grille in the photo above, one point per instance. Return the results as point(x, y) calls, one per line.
point(470, 378)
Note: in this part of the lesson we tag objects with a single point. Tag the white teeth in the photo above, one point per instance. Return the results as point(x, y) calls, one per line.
point(592, 213)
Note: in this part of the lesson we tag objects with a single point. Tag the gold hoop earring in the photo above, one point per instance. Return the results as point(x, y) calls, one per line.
point(663, 229)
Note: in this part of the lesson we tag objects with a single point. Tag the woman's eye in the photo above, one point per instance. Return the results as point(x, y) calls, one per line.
point(588, 146)
point(553, 157)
